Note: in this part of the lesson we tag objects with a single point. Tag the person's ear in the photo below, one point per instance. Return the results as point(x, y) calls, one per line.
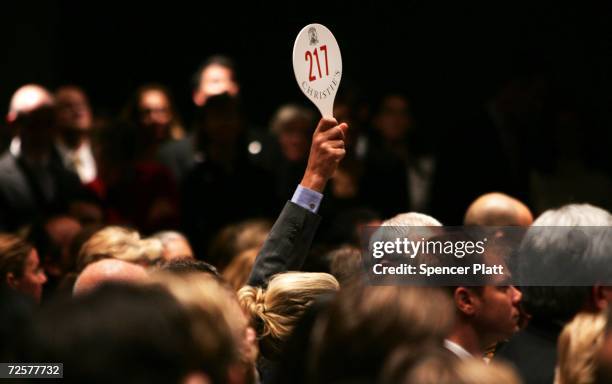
point(602, 295)
point(11, 117)
point(464, 301)
point(11, 281)
point(198, 98)
point(233, 89)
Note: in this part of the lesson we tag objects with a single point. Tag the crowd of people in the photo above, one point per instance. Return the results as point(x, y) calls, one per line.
point(140, 249)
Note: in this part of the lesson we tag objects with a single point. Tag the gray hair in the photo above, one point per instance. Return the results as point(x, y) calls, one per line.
point(291, 112)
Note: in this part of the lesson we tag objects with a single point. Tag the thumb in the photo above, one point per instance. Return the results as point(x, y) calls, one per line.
point(345, 128)
point(326, 123)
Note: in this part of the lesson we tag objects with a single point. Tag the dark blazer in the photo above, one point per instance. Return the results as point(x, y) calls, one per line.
point(287, 245)
point(23, 199)
point(533, 352)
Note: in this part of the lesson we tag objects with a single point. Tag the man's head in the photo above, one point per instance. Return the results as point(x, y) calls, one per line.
point(364, 325)
point(140, 331)
point(215, 76)
point(393, 119)
point(555, 246)
point(491, 311)
point(20, 268)
point(175, 245)
point(293, 125)
point(152, 109)
point(73, 110)
point(32, 117)
point(498, 209)
point(487, 306)
point(27, 99)
point(108, 270)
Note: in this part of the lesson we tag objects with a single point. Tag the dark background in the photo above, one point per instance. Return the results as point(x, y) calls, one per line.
point(449, 56)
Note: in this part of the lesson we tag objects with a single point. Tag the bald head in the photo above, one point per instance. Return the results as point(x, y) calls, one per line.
point(27, 99)
point(108, 270)
point(498, 209)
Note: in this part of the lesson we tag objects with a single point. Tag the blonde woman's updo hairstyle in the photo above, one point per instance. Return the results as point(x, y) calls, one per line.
point(119, 243)
point(274, 311)
point(577, 347)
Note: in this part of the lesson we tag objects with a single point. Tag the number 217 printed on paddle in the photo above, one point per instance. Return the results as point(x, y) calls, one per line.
point(317, 64)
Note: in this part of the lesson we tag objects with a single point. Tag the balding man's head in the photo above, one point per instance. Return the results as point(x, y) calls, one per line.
point(498, 209)
point(108, 270)
point(27, 99)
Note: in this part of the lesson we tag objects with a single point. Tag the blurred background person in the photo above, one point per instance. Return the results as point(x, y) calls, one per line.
point(224, 174)
point(33, 182)
point(74, 121)
point(20, 268)
point(292, 126)
point(215, 76)
point(140, 190)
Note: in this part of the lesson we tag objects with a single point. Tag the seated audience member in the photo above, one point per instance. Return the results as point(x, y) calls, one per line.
point(73, 144)
point(398, 159)
point(140, 191)
point(237, 272)
point(549, 251)
point(102, 271)
point(122, 244)
point(53, 239)
point(577, 348)
point(486, 306)
point(436, 367)
point(142, 332)
point(235, 239)
point(274, 311)
point(215, 76)
point(175, 245)
point(345, 264)
point(498, 209)
point(20, 268)
point(152, 110)
point(187, 266)
point(221, 328)
point(292, 125)
point(411, 219)
point(354, 337)
point(32, 182)
point(224, 174)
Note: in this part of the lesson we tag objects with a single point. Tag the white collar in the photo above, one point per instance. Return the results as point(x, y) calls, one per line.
point(458, 350)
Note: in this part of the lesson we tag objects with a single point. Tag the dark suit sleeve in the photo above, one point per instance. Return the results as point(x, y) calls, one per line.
point(287, 245)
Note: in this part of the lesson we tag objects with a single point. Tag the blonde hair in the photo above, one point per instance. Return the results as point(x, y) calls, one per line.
point(238, 270)
point(577, 345)
point(275, 310)
point(427, 365)
point(475, 371)
point(119, 243)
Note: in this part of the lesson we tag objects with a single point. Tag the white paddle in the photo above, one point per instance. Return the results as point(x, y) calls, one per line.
point(317, 64)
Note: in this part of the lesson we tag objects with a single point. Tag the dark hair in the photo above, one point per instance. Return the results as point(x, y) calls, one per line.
point(222, 105)
point(14, 252)
point(118, 333)
point(130, 111)
point(185, 266)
